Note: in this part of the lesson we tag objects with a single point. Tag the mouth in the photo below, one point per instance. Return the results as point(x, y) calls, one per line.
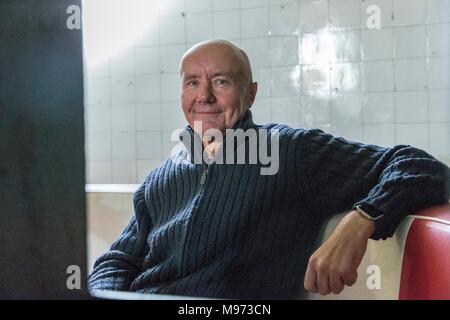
point(207, 112)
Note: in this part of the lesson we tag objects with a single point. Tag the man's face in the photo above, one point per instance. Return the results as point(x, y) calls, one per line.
point(214, 88)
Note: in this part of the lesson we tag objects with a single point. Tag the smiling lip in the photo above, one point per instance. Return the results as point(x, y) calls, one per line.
point(208, 112)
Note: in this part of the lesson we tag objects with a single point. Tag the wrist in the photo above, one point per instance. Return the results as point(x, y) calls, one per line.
point(366, 226)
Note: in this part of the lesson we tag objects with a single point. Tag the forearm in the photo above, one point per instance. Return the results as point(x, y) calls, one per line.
point(334, 264)
point(114, 270)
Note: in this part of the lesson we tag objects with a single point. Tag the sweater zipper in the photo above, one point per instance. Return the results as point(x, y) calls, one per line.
point(204, 175)
point(202, 182)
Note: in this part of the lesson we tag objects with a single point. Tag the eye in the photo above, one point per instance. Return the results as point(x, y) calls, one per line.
point(191, 83)
point(222, 82)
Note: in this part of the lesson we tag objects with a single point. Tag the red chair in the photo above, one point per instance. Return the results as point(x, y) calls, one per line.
point(426, 259)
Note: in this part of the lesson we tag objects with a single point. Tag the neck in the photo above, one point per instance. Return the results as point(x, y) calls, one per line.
point(211, 147)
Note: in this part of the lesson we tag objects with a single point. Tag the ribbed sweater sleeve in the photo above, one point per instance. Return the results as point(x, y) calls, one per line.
point(336, 175)
point(117, 268)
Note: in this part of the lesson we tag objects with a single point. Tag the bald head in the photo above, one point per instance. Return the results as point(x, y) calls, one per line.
point(227, 48)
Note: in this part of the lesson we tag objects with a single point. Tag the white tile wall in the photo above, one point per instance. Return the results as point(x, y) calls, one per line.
point(99, 171)
point(345, 14)
point(261, 111)
point(353, 132)
point(123, 171)
point(122, 89)
point(377, 44)
point(416, 134)
point(253, 48)
point(438, 11)
point(148, 117)
point(257, 25)
point(98, 119)
point(123, 146)
point(411, 106)
point(438, 104)
point(147, 60)
point(123, 64)
point(170, 56)
point(316, 79)
point(123, 118)
point(172, 29)
point(170, 87)
point(149, 145)
point(378, 108)
point(379, 134)
point(173, 7)
point(262, 77)
point(254, 3)
point(283, 19)
point(316, 111)
point(410, 42)
point(286, 110)
point(147, 88)
point(410, 12)
point(440, 139)
point(172, 116)
point(283, 50)
point(316, 63)
point(346, 77)
point(316, 48)
point(99, 146)
point(198, 5)
point(378, 75)
point(226, 24)
point(346, 109)
point(151, 36)
point(98, 91)
point(438, 39)
point(439, 77)
point(411, 74)
point(347, 46)
point(199, 26)
point(285, 81)
point(313, 16)
point(219, 5)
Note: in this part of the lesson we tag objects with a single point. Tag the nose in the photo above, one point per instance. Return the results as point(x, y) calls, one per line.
point(205, 94)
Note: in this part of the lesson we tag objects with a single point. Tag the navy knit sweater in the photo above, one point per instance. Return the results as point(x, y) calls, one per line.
point(243, 235)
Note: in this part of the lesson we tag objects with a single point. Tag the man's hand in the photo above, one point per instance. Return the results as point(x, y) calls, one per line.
point(336, 262)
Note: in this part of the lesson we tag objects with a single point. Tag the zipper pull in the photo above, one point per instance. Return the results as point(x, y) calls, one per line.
point(204, 174)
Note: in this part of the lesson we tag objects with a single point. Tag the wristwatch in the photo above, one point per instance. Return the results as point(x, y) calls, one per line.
point(366, 215)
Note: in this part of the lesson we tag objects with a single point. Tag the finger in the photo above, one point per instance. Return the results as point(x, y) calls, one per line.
point(310, 279)
point(336, 283)
point(350, 278)
point(323, 285)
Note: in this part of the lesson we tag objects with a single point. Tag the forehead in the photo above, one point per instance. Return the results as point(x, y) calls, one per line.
point(212, 59)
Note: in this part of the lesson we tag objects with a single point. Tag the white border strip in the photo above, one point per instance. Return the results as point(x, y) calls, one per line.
point(431, 219)
point(111, 188)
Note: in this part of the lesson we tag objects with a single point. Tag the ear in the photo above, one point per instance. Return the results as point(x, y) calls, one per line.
point(252, 93)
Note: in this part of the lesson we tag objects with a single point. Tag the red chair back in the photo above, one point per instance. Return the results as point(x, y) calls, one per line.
point(426, 260)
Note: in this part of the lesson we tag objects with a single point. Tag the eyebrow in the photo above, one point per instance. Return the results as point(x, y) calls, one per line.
point(216, 74)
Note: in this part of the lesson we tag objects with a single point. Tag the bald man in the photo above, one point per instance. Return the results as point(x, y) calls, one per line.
point(225, 230)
